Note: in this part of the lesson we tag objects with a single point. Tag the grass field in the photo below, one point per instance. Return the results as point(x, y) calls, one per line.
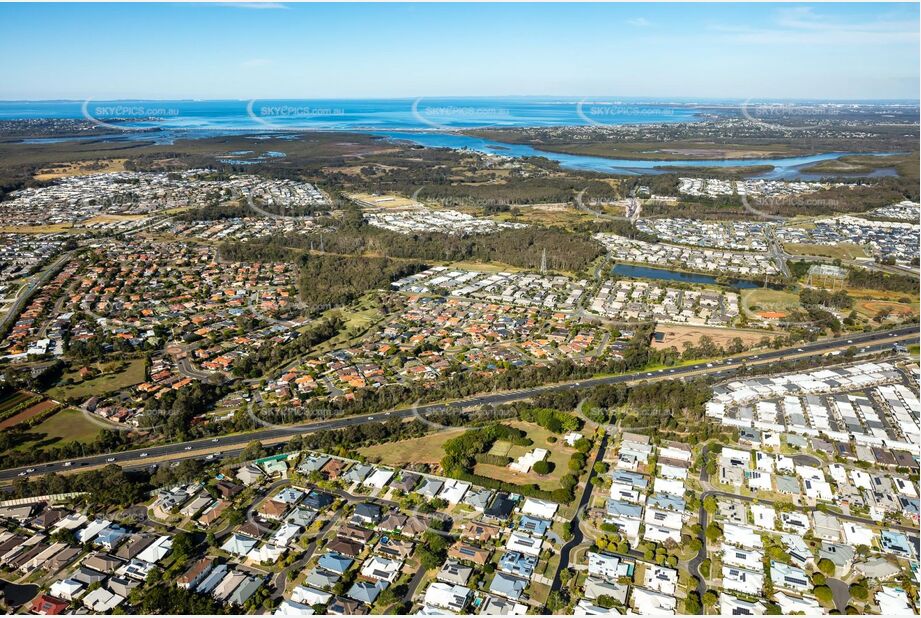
point(427, 449)
point(110, 380)
point(559, 456)
point(757, 301)
point(68, 425)
point(843, 251)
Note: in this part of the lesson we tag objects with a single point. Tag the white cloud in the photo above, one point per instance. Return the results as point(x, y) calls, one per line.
point(802, 25)
point(638, 22)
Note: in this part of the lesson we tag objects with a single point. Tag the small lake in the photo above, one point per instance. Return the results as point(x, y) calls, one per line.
point(17, 594)
point(646, 272)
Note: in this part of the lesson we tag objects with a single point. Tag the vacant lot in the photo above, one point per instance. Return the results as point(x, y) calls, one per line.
point(776, 303)
point(114, 377)
point(559, 457)
point(870, 308)
point(677, 335)
point(368, 200)
point(426, 450)
point(844, 251)
point(81, 168)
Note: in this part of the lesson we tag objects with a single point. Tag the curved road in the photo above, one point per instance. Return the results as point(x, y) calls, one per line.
point(229, 444)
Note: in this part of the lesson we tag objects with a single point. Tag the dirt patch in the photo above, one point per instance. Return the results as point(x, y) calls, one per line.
point(673, 335)
point(873, 307)
point(28, 413)
point(772, 315)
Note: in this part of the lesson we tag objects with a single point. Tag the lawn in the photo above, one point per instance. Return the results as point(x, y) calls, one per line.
point(427, 449)
point(761, 300)
point(68, 425)
point(112, 378)
point(559, 456)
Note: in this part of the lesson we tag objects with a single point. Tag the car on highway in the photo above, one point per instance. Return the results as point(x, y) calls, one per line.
point(143, 454)
point(799, 349)
point(30, 470)
point(21, 474)
point(68, 464)
point(188, 448)
point(110, 460)
point(215, 439)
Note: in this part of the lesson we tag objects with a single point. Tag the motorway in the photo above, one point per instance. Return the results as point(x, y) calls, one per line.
point(26, 292)
point(230, 444)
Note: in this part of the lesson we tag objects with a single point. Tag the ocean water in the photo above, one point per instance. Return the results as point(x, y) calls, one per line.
point(353, 114)
point(431, 122)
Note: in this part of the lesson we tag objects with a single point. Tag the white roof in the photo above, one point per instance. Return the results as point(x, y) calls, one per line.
point(650, 602)
point(292, 608)
point(524, 543)
point(894, 601)
point(101, 600)
point(379, 478)
point(743, 536)
point(310, 596)
point(539, 508)
point(453, 491)
point(156, 551)
point(92, 530)
point(66, 589)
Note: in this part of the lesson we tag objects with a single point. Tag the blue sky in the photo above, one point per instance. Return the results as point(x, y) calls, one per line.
point(245, 51)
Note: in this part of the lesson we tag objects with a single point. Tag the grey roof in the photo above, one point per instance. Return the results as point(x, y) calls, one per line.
point(245, 590)
point(313, 463)
point(666, 501)
point(454, 572)
point(358, 473)
point(367, 510)
point(318, 578)
point(478, 498)
point(787, 484)
point(430, 488)
point(595, 588)
point(625, 509)
point(838, 553)
point(508, 585)
point(366, 592)
point(497, 606)
point(336, 563)
point(878, 568)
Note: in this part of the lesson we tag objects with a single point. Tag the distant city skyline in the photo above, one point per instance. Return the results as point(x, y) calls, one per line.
point(367, 51)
